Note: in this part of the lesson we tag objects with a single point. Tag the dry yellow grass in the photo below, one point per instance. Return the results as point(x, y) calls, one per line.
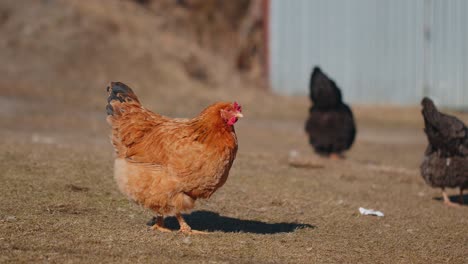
point(60, 203)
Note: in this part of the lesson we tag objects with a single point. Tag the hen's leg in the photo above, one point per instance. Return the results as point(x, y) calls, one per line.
point(185, 228)
point(159, 226)
point(447, 199)
point(461, 196)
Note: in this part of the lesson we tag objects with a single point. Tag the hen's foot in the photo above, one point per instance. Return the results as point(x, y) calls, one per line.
point(192, 232)
point(451, 204)
point(159, 225)
point(447, 201)
point(185, 228)
point(335, 156)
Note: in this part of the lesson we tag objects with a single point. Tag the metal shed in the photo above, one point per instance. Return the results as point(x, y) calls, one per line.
point(384, 51)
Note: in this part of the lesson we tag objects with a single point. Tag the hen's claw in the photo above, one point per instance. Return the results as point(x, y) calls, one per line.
point(185, 228)
point(159, 225)
point(192, 232)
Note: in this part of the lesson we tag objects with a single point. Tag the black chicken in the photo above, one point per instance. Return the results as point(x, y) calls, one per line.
point(330, 125)
point(445, 161)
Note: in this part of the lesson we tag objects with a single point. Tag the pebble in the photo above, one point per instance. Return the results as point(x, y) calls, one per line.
point(187, 240)
point(10, 218)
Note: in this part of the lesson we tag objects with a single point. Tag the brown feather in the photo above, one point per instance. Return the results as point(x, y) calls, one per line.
point(166, 164)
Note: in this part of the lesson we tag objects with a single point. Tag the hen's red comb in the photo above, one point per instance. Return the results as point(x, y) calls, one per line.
point(237, 107)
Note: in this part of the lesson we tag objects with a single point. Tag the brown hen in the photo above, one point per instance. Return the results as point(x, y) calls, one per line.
point(166, 164)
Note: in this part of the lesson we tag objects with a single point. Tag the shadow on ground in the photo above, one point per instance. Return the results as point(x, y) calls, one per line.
point(211, 221)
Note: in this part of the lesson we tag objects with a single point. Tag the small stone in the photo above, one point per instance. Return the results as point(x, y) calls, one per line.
point(187, 240)
point(10, 218)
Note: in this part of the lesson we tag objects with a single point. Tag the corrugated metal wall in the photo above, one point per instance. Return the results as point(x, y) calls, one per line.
point(386, 51)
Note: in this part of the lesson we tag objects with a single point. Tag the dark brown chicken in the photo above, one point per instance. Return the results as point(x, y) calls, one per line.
point(445, 162)
point(330, 125)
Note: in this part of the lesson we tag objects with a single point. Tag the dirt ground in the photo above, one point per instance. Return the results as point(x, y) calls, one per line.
point(61, 205)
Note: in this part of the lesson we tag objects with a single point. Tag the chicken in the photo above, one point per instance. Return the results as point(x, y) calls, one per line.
point(330, 126)
point(445, 162)
point(167, 164)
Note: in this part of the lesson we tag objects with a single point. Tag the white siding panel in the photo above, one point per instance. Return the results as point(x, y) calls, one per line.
point(374, 49)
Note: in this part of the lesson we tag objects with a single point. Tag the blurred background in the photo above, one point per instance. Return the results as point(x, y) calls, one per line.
point(181, 55)
point(379, 51)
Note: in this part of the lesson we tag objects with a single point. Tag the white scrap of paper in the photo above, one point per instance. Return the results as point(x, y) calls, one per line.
point(365, 211)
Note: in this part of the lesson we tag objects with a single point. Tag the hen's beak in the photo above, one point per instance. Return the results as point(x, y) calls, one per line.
point(239, 115)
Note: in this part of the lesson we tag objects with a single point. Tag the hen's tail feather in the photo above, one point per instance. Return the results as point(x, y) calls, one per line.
point(119, 93)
